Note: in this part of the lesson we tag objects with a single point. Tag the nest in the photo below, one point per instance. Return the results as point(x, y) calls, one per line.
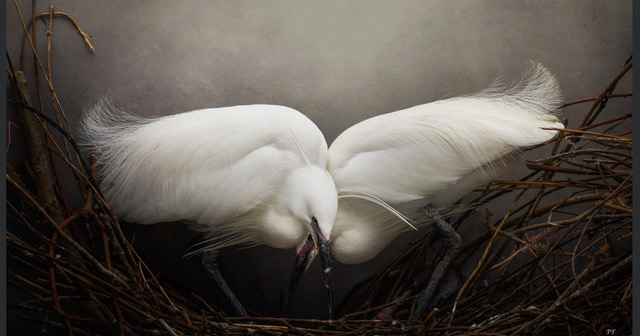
point(556, 262)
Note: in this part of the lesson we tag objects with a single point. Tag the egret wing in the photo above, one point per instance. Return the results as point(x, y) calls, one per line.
point(167, 168)
point(414, 153)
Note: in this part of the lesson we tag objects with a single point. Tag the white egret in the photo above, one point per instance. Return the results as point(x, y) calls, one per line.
point(242, 175)
point(392, 168)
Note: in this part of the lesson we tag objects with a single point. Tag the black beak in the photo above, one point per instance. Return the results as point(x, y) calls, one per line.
point(316, 243)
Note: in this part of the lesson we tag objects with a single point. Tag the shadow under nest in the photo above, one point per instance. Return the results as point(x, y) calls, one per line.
point(556, 262)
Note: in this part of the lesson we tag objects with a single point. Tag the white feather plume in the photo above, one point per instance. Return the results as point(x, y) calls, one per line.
point(220, 169)
point(434, 154)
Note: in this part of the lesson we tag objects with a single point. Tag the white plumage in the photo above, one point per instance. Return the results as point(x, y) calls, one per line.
point(247, 175)
point(431, 154)
point(243, 175)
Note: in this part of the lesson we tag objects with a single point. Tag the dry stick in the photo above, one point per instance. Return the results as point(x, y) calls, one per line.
point(579, 131)
point(114, 240)
point(166, 327)
point(396, 289)
point(48, 137)
point(129, 294)
point(509, 223)
point(25, 36)
point(602, 99)
point(41, 103)
point(527, 246)
point(41, 67)
point(493, 240)
point(12, 274)
point(583, 215)
point(44, 182)
point(50, 75)
point(362, 312)
point(64, 143)
point(213, 311)
point(545, 209)
point(146, 285)
point(24, 249)
point(541, 192)
point(566, 170)
point(144, 281)
point(75, 24)
point(605, 122)
point(563, 203)
point(26, 27)
point(618, 208)
point(53, 224)
point(591, 245)
point(36, 73)
point(9, 125)
point(284, 319)
point(32, 293)
point(25, 223)
point(585, 100)
point(54, 324)
point(564, 264)
point(569, 296)
point(86, 178)
point(604, 178)
point(602, 152)
point(496, 193)
point(603, 249)
point(54, 289)
point(496, 232)
point(39, 288)
point(110, 217)
point(107, 254)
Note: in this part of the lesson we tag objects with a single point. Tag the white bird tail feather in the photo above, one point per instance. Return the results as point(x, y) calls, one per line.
point(537, 92)
point(102, 128)
point(532, 100)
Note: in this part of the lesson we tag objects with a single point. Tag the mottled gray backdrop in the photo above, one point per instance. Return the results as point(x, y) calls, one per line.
point(338, 62)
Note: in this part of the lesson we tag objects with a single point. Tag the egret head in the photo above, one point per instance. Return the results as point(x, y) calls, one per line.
point(314, 202)
point(311, 195)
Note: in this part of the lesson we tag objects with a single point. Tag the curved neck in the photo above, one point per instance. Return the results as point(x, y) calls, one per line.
point(362, 230)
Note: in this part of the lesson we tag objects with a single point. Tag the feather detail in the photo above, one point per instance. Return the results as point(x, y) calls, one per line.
point(381, 203)
point(433, 154)
point(441, 142)
point(218, 168)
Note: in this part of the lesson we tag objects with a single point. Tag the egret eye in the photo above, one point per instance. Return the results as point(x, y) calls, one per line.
point(313, 219)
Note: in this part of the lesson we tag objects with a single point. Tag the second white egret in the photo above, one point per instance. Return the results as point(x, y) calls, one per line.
point(392, 169)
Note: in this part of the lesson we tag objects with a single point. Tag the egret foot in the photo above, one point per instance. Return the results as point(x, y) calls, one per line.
point(451, 240)
point(210, 262)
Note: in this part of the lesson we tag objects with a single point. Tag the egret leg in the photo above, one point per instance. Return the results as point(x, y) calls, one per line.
point(210, 262)
point(451, 240)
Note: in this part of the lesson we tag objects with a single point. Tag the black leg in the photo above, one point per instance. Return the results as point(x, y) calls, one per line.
point(451, 241)
point(210, 262)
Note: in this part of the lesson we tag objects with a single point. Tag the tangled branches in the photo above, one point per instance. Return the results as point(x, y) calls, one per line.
point(556, 261)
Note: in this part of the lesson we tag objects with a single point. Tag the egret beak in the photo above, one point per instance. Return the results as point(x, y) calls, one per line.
point(316, 243)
